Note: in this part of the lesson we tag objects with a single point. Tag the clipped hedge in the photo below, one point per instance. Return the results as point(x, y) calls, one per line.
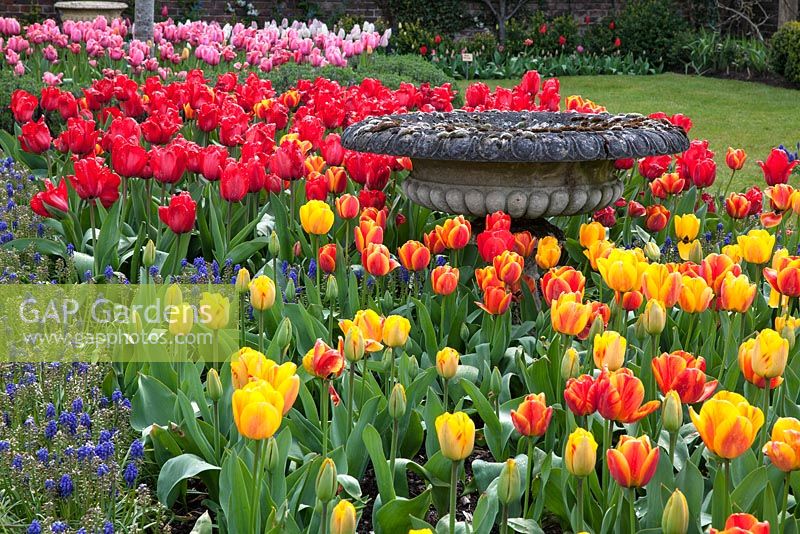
point(785, 51)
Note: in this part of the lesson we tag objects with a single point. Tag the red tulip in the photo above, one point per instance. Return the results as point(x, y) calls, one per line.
point(316, 187)
point(94, 181)
point(128, 159)
point(35, 137)
point(160, 127)
point(372, 170)
point(121, 129)
point(180, 214)
point(211, 161)
point(498, 221)
point(67, 105)
point(310, 128)
point(580, 395)
point(79, 137)
point(624, 164)
point(492, 243)
point(287, 161)
point(168, 163)
point(777, 168)
point(327, 258)
point(23, 104)
point(652, 167)
point(635, 209)
point(53, 196)
point(370, 198)
point(332, 149)
point(234, 183)
point(232, 129)
point(208, 117)
point(682, 372)
point(49, 98)
point(704, 173)
point(256, 172)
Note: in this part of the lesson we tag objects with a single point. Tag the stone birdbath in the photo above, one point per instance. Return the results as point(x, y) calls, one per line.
point(89, 9)
point(532, 165)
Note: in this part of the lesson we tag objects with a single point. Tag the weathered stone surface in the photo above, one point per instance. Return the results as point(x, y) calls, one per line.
point(89, 10)
point(515, 136)
point(528, 164)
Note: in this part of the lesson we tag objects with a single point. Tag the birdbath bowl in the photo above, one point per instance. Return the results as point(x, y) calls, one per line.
point(79, 10)
point(529, 164)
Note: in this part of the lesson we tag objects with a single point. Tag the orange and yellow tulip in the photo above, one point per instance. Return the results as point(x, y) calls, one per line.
point(496, 300)
point(770, 354)
point(609, 350)
point(532, 416)
point(745, 357)
point(620, 395)
point(568, 315)
point(580, 453)
point(565, 279)
point(727, 424)
point(681, 372)
point(447, 362)
point(444, 280)
point(742, 524)
point(695, 295)
point(580, 395)
point(486, 277)
point(783, 449)
point(659, 283)
point(715, 267)
point(347, 206)
point(784, 276)
point(548, 252)
point(633, 462)
point(622, 270)
point(455, 233)
point(257, 410)
point(456, 434)
point(756, 246)
point(737, 206)
point(509, 265)
point(524, 243)
point(736, 293)
point(371, 326)
point(366, 233)
point(414, 256)
point(377, 261)
point(316, 217)
point(591, 233)
point(597, 250)
point(735, 158)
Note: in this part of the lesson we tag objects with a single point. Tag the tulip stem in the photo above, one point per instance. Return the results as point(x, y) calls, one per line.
point(504, 521)
point(579, 493)
point(351, 393)
point(445, 383)
point(315, 255)
point(632, 515)
point(216, 432)
point(323, 401)
point(256, 502)
point(785, 500)
point(228, 226)
point(607, 434)
point(94, 236)
point(528, 480)
point(324, 520)
point(673, 441)
point(261, 331)
point(393, 450)
point(389, 371)
point(726, 467)
point(764, 434)
point(453, 490)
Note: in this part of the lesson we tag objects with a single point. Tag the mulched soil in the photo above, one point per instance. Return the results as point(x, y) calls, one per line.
point(768, 78)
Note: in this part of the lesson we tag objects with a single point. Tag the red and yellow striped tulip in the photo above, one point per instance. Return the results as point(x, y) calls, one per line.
point(620, 395)
point(681, 372)
point(728, 424)
point(532, 416)
point(633, 462)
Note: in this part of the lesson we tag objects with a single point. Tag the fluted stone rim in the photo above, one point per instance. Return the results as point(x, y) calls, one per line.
point(515, 136)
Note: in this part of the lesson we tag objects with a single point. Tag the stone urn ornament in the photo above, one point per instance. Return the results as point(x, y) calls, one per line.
point(529, 164)
point(89, 9)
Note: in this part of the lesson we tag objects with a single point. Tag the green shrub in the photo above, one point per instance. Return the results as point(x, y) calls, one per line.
point(8, 84)
point(648, 28)
point(784, 54)
point(479, 43)
point(409, 37)
point(599, 37)
point(709, 51)
point(443, 16)
point(522, 29)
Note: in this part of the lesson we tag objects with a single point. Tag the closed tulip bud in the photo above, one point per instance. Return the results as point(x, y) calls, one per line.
point(332, 289)
point(284, 333)
point(397, 401)
point(290, 290)
point(581, 453)
point(495, 383)
point(297, 250)
point(509, 483)
point(639, 329)
point(242, 280)
point(274, 245)
point(609, 350)
point(262, 293)
point(180, 319)
point(456, 435)
point(447, 363)
point(327, 483)
point(675, 519)
point(570, 364)
point(272, 454)
point(173, 295)
point(343, 518)
point(354, 345)
point(213, 385)
point(652, 252)
point(654, 317)
point(395, 331)
point(787, 333)
point(673, 412)
point(696, 252)
point(136, 321)
point(597, 328)
point(149, 255)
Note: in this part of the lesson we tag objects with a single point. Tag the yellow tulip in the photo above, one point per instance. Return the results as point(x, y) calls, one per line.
point(770, 353)
point(597, 250)
point(181, 319)
point(568, 315)
point(316, 217)
point(622, 270)
point(262, 293)
point(214, 310)
point(370, 324)
point(756, 246)
point(695, 295)
point(581, 453)
point(783, 449)
point(686, 229)
point(257, 410)
point(173, 295)
point(548, 252)
point(609, 350)
point(654, 317)
point(733, 251)
point(660, 283)
point(343, 518)
point(456, 433)
point(447, 362)
point(395, 331)
point(736, 293)
point(728, 424)
point(591, 233)
point(242, 280)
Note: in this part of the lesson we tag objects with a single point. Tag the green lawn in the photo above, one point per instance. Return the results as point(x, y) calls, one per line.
point(746, 115)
